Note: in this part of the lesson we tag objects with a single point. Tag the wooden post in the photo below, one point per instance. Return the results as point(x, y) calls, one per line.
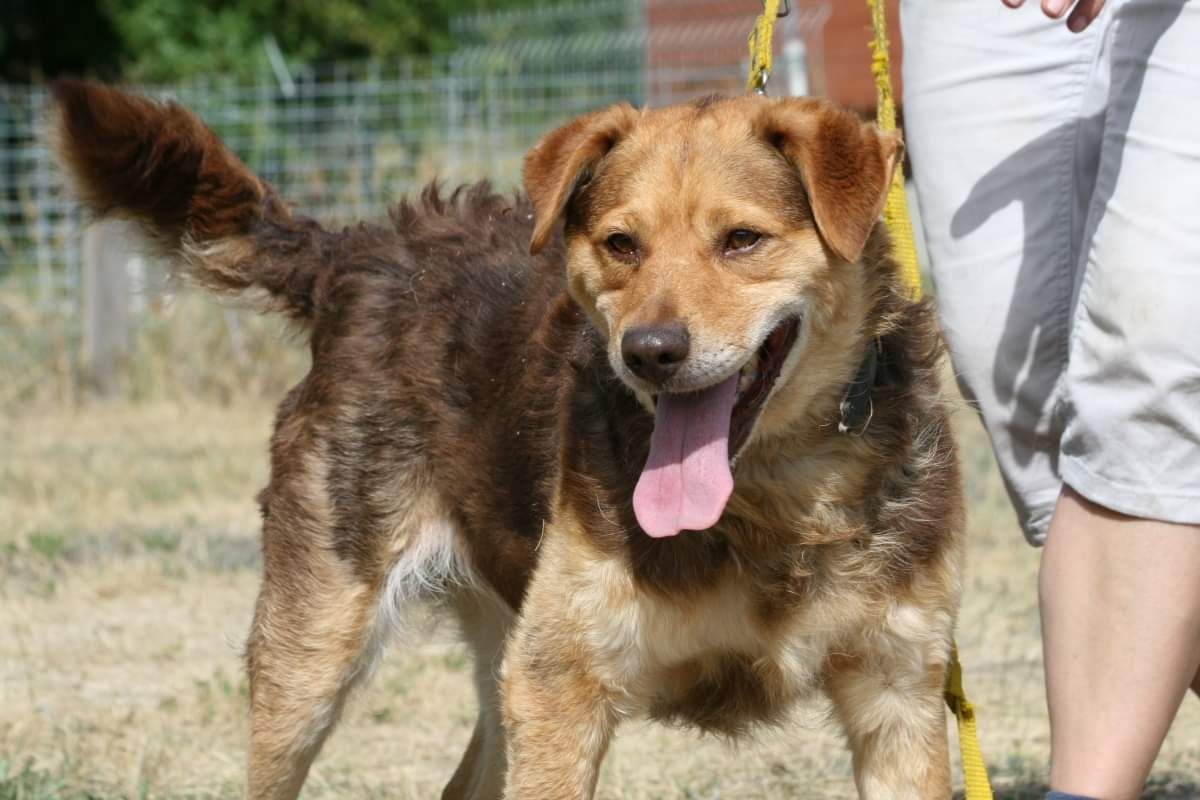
point(106, 335)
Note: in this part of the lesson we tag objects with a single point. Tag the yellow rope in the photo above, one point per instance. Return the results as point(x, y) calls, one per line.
point(895, 212)
point(975, 776)
point(761, 39)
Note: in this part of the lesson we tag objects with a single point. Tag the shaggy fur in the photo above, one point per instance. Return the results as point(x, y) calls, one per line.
point(468, 434)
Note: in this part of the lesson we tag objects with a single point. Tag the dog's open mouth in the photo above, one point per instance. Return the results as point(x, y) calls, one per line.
point(687, 479)
point(756, 380)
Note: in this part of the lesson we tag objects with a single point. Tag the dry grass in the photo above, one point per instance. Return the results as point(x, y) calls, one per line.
point(187, 348)
point(128, 567)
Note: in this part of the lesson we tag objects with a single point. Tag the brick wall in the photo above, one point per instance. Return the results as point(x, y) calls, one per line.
point(848, 52)
point(841, 59)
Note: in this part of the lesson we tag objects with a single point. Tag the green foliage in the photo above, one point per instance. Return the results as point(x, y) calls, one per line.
point(165, 40)
point(171, 40)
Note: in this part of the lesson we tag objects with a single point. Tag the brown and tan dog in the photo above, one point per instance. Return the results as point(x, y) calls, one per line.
point(688, 460)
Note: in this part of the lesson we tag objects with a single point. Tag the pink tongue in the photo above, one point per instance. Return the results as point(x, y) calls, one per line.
point(686, 481)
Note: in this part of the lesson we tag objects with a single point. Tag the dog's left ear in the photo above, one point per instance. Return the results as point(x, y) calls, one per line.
point(846, 166)
point(557, 163)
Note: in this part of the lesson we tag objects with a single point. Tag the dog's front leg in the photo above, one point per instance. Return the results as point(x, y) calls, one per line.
point(559, 723)
point(558, 715)
point(888, 694)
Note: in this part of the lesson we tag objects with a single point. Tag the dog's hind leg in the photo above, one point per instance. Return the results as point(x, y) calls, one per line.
point(485, 622)
point(309, 645)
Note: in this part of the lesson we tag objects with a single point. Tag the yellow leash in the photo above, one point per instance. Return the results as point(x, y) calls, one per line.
point(904, 250)
point(761, 39)
point(975, 776)
point(895, 212)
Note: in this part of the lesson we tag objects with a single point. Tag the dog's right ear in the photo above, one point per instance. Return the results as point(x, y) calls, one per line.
point(556, 165)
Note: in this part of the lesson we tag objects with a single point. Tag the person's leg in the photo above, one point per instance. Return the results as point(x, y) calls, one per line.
point(1120, 592)
point(973, 85)
point(1121, 634)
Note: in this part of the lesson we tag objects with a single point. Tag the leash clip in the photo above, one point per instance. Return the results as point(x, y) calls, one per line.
point(761, 39)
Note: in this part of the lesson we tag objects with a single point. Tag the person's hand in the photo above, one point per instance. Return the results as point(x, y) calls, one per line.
point(1081, 16)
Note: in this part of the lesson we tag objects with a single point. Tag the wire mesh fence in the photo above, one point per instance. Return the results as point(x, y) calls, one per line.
point(343, 142)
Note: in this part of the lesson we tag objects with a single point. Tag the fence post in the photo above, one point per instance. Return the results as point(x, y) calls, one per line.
point(105, 304)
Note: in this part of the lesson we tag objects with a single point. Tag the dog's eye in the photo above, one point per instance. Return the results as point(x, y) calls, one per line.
point(741, 240)
point(623, 245)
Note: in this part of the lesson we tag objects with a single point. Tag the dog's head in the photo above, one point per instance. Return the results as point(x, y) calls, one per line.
point(716, 246)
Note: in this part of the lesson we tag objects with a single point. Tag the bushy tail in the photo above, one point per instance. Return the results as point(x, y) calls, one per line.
point(158, 165)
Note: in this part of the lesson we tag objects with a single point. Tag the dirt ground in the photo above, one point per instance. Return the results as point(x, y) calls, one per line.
point(128, 569)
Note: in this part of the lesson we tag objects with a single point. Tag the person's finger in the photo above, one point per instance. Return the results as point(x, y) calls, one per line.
point(1055, 8)
point(1013, 3)
point(1083, 14)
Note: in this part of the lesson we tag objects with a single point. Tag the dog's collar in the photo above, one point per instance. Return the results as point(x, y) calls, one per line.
point(856, 408)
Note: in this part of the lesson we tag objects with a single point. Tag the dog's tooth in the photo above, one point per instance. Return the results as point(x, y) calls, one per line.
point(749, 374)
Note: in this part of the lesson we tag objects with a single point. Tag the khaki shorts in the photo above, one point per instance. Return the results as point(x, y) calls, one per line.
point(1058, 179)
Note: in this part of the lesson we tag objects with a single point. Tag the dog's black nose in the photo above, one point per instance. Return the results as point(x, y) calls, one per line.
point(654, 352)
